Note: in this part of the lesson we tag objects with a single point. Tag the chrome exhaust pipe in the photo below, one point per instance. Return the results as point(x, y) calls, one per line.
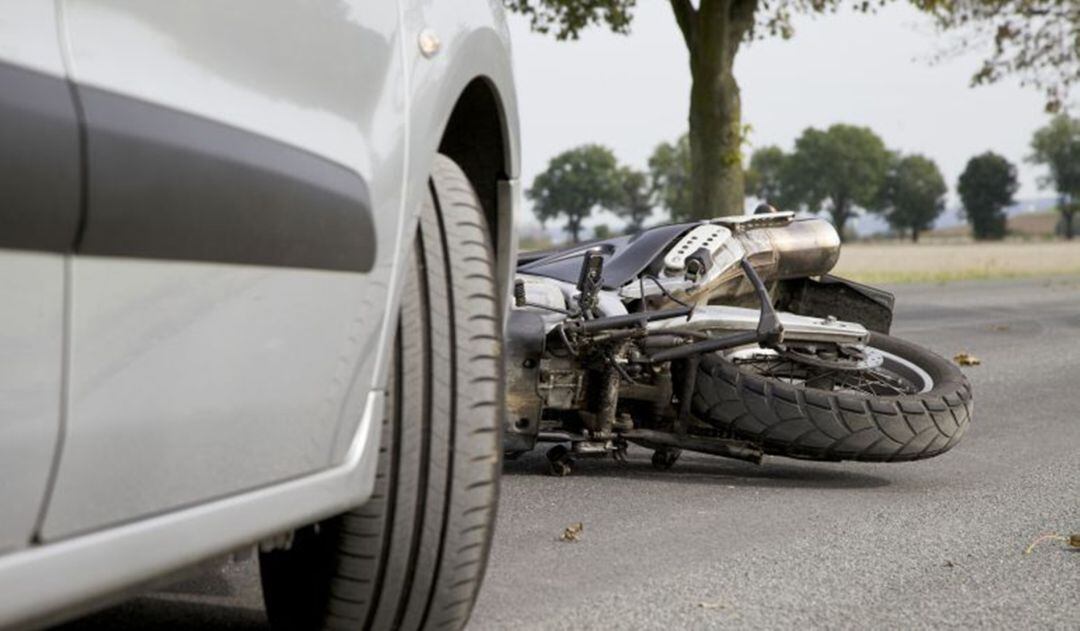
point(804, 247)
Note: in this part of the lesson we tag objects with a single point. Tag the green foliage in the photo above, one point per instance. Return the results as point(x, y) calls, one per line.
point(601, 231)
point(635, 202)
point(766, 176)
point(567, 18)
point(575, 182)
point(1057, 146)
point(1035, 40)
point(913, 194)
point(986, 187)
point(836, 170)
point(669, 169)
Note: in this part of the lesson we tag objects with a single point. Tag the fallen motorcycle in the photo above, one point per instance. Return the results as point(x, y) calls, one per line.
point(727, 337)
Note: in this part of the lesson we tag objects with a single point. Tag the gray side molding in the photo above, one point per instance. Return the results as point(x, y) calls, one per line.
point(163, 184)
point(39, 162)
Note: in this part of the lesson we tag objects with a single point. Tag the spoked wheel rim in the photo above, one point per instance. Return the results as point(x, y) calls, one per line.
point(880, 374)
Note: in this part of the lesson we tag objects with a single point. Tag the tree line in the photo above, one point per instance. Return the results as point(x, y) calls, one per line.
point(839, 172)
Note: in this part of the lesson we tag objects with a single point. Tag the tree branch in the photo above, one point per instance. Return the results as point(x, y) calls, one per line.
point(742, 21)
point(685, 15)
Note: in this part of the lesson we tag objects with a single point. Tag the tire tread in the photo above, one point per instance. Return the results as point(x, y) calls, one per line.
point(781, 417)
point(414, 556)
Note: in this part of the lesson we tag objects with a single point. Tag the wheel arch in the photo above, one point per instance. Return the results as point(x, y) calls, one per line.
point(463, 103)
point(480, 135)
point(476, 138)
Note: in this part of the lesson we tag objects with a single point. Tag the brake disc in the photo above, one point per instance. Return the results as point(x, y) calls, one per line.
point(849, 358)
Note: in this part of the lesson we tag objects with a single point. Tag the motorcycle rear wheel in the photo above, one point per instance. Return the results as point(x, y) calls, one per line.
point(873, 421)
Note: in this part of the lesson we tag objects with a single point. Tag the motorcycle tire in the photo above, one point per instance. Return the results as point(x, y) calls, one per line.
point(790, 419)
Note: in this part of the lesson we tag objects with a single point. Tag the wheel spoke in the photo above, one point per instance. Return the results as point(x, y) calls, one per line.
point(877, 381)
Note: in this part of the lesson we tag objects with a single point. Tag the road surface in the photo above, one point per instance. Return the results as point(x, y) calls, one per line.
point(723, 544)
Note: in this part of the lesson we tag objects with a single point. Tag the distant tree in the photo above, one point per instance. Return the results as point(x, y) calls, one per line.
point(766, 175)
point(575, 182)
point(601, 231)
point(837, 170)
point(913, 195)
point(635, 202)
point(669, 169)
point(534, 242)
point(1057, 146)
point(986, 188)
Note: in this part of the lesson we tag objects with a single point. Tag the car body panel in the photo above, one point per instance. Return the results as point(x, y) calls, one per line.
point(31, 345)
point(200, 375)
point(28, 37)
point(39, 206)
point(321, 76)
point(195, 381)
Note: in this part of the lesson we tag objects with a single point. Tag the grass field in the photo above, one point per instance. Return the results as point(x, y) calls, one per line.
point(941, 262)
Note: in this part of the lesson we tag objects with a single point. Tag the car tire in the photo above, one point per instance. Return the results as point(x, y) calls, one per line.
point(413, 556)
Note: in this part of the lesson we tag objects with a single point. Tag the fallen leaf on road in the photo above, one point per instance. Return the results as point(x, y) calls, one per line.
point(948, 563)
point(1072, 541)
point(573, 532)
point(711, 605)
point(965, 359)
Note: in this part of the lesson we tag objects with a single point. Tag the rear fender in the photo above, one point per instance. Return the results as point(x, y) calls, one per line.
point(838, 297)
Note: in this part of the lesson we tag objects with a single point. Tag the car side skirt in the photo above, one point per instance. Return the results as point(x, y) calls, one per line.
point(53, 582)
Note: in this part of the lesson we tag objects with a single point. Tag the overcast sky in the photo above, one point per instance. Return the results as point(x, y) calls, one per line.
point(632, 92)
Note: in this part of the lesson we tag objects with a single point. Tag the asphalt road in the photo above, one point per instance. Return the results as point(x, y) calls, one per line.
point(723, 544)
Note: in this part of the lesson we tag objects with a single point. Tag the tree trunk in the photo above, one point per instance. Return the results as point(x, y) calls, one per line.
point(841, 212)
point(715, 140)
point(573, 226)
point(713, 33)
point(914, 235)
point(1068, 216)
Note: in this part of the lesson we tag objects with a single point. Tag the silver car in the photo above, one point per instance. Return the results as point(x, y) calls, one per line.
point(253, 259)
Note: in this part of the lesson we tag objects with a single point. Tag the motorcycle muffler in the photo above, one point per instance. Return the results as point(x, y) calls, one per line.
point(804, 247)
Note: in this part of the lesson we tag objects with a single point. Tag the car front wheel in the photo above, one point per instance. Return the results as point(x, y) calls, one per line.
point(414, 555)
